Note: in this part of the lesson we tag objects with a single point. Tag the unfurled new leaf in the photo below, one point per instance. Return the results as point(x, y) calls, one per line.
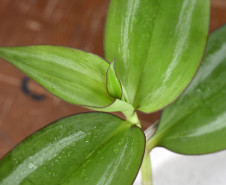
point(86, 149)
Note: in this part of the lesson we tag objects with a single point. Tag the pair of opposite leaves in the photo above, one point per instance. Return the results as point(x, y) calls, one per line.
point(98, 148)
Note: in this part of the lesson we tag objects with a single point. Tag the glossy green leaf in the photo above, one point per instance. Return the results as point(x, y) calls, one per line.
point(86, 149)
point(113, 83)
point(196, 122)
point(157, 46)
point(75, 76)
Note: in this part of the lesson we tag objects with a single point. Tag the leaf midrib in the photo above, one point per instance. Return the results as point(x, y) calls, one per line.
point(123, 126)
point(160, 135)
point(145, 61)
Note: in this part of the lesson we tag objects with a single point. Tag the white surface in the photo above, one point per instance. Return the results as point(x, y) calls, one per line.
point(174, 169)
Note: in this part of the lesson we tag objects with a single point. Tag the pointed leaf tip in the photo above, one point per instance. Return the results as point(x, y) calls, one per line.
point(75, 76)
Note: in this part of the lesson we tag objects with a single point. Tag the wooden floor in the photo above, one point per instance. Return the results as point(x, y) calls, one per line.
point(74, 23)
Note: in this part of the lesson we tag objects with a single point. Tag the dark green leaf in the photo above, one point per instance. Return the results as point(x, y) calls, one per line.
point(73, 75)
point(91, 148)
point(157, 46)
point(196, 122)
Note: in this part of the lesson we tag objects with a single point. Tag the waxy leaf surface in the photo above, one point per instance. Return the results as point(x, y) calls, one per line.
point(157, 46)
point(75, 76)
point(196, 122)
point(86, 149)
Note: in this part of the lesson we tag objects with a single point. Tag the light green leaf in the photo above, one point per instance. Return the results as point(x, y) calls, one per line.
point(86, 149)
point(196, 122)
point(157, 46)
point(118, 106)
point(75, 76)
point(113, 83)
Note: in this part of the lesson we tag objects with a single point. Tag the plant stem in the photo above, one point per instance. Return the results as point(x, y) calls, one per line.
point(151, 143)
point(132, 117)
point(151, 140)
point(146, 170)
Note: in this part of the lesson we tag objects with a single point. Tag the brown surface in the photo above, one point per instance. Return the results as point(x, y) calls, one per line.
point(73, 23)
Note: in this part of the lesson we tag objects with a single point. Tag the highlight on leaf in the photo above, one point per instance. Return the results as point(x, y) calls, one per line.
point(195, 123)
point(157, 46)
point(88, 148)
point(73, 75)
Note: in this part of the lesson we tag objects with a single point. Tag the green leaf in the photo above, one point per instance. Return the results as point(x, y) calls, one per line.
point(157, 46)
point(113, 83)
point(119, 106)
point(196, 122)
point(75, 76)
point(91, 148)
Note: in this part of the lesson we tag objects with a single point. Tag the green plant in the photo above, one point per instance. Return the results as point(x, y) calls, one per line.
point(153, 49)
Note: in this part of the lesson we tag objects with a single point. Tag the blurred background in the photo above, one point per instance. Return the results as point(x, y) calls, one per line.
point(25, 106)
